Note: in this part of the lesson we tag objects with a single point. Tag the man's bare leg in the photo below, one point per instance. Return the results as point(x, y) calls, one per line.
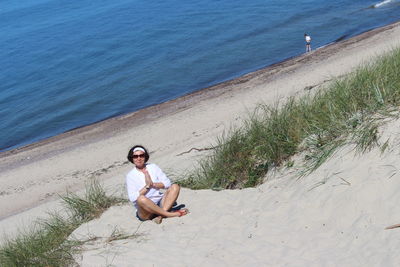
point(146, 209)
point(169, 198)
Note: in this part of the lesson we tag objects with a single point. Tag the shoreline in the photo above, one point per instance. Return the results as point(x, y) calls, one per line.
point(36, 174)
point(98, 130)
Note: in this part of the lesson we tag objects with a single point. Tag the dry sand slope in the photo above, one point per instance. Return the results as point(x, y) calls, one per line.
point(34, 175)
point(227, 226)
point(334, 217)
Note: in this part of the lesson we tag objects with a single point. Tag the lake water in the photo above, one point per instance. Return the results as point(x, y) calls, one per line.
point(66, 64)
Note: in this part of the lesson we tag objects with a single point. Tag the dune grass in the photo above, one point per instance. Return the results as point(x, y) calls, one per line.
point(47, 243)
point(347, 110)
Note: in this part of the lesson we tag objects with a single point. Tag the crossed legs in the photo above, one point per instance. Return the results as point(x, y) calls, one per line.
point(148, 210)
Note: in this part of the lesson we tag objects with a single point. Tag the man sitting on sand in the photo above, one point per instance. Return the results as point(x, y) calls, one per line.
point(144, 182)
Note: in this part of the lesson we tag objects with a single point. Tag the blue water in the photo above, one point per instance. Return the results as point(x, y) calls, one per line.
point(66, 64)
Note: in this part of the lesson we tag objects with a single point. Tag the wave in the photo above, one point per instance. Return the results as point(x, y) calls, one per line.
point(385, 2)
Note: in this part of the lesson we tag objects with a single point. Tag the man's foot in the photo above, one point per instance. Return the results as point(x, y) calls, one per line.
point(182, 212)
point(158, 219)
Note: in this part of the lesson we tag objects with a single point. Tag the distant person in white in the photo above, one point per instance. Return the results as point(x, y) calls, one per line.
point(144, 183)
point(307, 38)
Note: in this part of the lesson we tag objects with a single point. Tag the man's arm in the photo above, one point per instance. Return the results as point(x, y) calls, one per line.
point(158, 185)
point(165, 182)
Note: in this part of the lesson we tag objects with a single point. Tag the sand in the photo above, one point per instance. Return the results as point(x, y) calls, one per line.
point(285, 221)
point(333, 217)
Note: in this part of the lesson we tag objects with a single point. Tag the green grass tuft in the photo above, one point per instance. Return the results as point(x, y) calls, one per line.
point(318, 124)
point(92, 205)
point(47, 243)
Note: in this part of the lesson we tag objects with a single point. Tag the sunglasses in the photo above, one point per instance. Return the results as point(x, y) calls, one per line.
point(139, 156)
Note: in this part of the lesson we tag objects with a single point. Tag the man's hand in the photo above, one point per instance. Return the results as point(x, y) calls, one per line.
point(148, 181)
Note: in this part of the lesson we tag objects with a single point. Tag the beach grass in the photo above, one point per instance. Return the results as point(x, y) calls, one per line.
point(348, 110)
point(47, 242)
point(92, 205)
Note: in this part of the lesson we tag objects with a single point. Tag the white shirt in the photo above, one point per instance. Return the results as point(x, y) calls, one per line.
point(135, 181)
point(308, 38)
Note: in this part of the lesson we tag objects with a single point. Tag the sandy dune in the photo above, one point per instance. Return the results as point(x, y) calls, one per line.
point(334, 217)
point(281, 222)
